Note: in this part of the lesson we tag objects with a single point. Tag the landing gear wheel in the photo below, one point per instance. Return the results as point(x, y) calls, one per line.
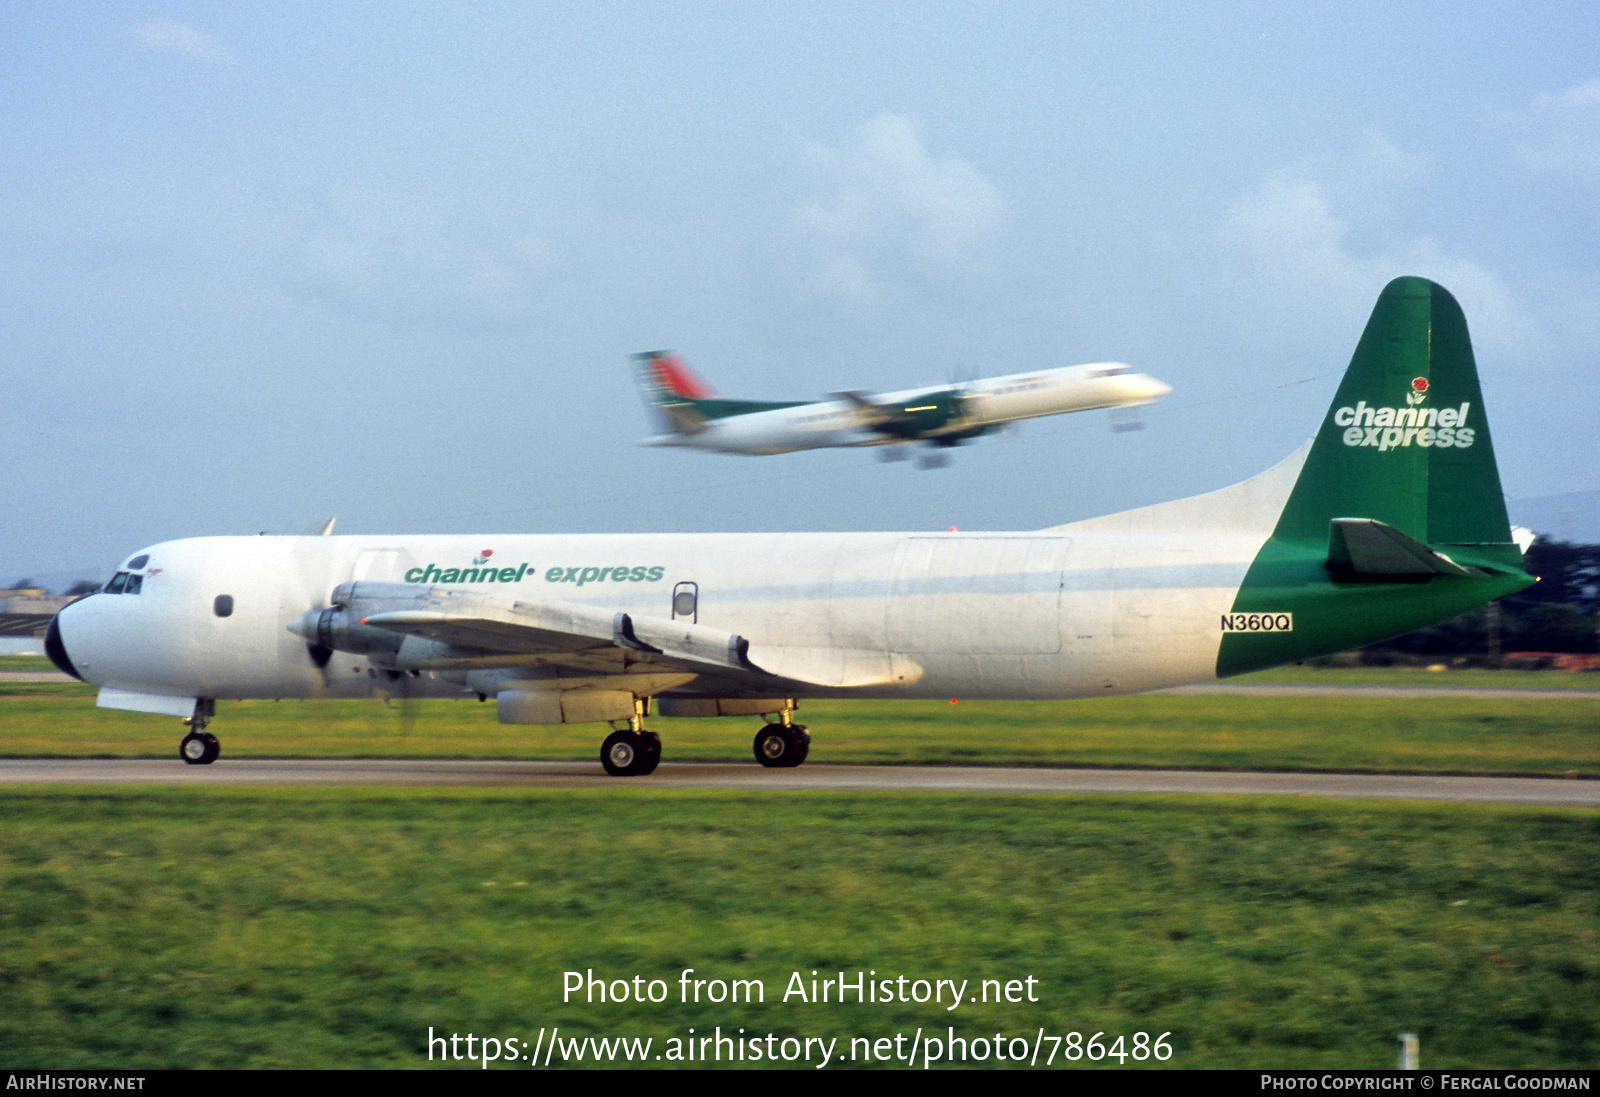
point(619, 753)
point(630, 753)
point(650, 756)
point(199, 748)
point(780, 747)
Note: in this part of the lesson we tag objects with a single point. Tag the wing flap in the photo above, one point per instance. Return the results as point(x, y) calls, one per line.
point(836, 668)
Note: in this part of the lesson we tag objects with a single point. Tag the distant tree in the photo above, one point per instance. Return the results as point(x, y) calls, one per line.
point(83, 586)
point(22, 584)
point(1560, 612)
point(1546, 626)
point(1568, 573)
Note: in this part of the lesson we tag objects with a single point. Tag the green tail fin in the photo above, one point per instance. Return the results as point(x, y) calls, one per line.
point(1405, 446)
point(1406, 441)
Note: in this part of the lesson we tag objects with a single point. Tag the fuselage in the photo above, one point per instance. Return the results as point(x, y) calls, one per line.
point(970, 409)
point(1114, 605)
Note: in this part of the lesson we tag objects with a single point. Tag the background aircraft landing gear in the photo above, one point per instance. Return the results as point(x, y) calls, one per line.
point(199, 747)
point(782, 746)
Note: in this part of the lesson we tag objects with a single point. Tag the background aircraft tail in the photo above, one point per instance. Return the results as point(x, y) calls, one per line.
point(671, 391)
point(682, 402)
point(1397, 518)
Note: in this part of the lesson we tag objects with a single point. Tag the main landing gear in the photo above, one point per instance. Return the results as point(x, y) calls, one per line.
point(199, 747)
point(631, 751)
point(783, 745)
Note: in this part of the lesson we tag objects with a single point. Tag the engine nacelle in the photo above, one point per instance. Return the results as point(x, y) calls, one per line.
point(339, 630)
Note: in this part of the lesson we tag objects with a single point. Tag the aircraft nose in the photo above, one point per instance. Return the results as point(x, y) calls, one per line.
point(56, 648)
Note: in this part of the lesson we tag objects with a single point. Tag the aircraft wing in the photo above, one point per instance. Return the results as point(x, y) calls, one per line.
point(449, 628)
point(868, 412)
point(909, 415)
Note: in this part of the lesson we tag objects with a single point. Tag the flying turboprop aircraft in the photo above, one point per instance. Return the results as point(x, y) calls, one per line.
point(1389, 519)
point(942, 416)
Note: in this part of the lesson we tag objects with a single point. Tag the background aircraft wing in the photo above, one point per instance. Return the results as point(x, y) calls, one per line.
point(866, 412)
point(908, 416)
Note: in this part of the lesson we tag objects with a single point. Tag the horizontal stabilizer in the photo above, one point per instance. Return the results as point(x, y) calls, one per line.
point(1366, 547)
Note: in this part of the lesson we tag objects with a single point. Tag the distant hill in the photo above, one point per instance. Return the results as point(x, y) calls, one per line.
point(1574, 516)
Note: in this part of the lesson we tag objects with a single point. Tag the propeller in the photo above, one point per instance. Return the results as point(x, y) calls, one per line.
point(339, 625)
point(402, 695)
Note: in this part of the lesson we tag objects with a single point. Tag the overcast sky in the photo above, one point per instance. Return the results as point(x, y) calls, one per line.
point(265, 264)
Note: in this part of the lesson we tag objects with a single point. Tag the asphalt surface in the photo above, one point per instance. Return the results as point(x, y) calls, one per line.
point(1550, 792)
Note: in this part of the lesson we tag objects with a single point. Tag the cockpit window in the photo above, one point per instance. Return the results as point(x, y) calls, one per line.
point(135, 584)
point(138, 561)
point(1110, 371)
point(118, 582)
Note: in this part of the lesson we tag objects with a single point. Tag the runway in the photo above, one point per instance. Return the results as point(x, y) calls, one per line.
point(986, 780)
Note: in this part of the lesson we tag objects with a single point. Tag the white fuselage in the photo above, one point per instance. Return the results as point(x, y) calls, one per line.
point(1119, 604)
point(986, 403)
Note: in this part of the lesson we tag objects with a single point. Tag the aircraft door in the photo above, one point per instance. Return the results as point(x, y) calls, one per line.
point(381, 565)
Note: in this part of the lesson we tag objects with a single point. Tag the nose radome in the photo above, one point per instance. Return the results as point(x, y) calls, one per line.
point(57, 649)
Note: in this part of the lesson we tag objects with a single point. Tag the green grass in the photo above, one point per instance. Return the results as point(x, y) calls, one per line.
point(1514, 735)
point(268, 928)
point(37, 663)
point(251, 927)
point(1402, 677)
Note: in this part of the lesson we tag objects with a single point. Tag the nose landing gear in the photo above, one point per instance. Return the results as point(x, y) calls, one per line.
point(200, 747)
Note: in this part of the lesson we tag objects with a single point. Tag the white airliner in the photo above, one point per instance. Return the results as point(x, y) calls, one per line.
point(1389, 519)
point(941, 416)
